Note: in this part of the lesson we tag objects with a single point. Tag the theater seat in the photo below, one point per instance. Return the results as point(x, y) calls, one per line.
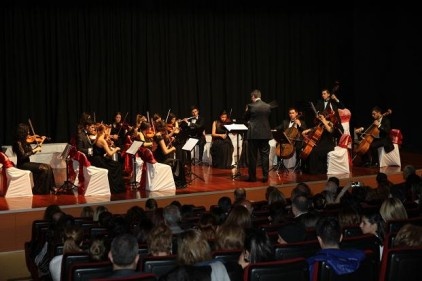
point(91, 180)
point(290, 269)
point(15, 182)
point(401, 264)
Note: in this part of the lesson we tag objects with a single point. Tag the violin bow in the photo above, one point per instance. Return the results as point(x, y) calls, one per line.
point(32, 129)
point(168, 113)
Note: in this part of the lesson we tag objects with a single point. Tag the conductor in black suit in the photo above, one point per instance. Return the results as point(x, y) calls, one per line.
point(259, 133)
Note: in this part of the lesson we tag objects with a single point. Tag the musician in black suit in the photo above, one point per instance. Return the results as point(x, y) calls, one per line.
point(328, 103)
point(383, 124)
point(294, 121)
point(195, 125)
point(86, 138)
point(259, 133)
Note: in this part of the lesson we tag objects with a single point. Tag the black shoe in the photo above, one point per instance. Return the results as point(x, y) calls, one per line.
point(264, 179)
point(251, 180)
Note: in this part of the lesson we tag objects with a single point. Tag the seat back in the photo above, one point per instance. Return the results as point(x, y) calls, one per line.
point(363, 242)
point(85, 271)
point(368, 270)
point(295, 250)
point(69, 260)
point(401, 264)
point(134, 277)
point(157, 265)
point(226, 255)
point(291, 269)
point(394, 226)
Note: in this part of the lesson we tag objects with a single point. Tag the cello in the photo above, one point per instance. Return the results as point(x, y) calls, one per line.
point(311, 141)
point(286, 150)
point(368, 137)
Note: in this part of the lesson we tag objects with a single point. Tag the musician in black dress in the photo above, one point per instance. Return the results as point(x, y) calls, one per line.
point(102, 157)
point(222, 146)
point(42, 173)
point(318, 141)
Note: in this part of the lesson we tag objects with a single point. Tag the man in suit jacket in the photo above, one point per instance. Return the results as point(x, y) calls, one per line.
point(84, 142)
point(329, 103)
point(382, 122)
point(259, 133)
point(196, 128)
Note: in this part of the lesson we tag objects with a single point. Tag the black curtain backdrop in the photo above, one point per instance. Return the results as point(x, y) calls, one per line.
point(61, 58)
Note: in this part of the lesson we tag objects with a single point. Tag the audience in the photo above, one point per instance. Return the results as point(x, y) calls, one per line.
point(409, 235)
point(172, 218)
point(329, 236)
point(393, 209)
point(159, 241)
point(257, 248)
point(124, 255)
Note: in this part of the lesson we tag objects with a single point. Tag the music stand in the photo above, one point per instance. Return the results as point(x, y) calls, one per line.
point(281, 138)
point(67, 186)
point(189, 145)
point(236, 128)
point(132, 150)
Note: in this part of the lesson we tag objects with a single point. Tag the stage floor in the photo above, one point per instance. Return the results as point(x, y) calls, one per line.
point(204, 179)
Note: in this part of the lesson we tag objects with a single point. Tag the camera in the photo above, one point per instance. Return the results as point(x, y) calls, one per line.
point(355, 184)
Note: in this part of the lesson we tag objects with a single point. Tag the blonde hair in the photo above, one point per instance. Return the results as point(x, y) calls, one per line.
point(160, 240)
point(409, 235)
point(192, 248)
point(393, 209)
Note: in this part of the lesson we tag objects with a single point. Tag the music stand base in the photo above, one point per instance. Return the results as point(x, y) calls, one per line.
point(280, 166)
point(191, 175)
point(67, 187)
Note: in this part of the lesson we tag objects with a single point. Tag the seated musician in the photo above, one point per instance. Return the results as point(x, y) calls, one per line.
point(293, 121)
point(375, 136)
point(222, 146)
point(166, 153)
point(318, 141)
point(86, 138)
point(119, 129)
point(102, 157)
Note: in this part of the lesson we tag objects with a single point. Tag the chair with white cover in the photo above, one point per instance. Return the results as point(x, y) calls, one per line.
point(15, 182)
point(154, 176)
point(338, 160)
point(91, 180)
point(391, 158)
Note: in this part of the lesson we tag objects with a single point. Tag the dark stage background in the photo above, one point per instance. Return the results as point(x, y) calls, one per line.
point(61, 58)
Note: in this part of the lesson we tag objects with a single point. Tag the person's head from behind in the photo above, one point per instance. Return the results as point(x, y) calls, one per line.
point(328, 232)
point(98, 249)
point(239, 194)
point(300, 205)
point(159, 240)
point(51, 210)
point(257, 246)
point(172, 215)
point(192, 247)
point(151, 204)
point(300, 189)
point(409, 235)
point(408, 170)
point(393, 209)
point(225, 203)
point(87, 212)
point(276, 195)
point(124, 252)
point(229, 237)
point(239, 215)
point(98, 211)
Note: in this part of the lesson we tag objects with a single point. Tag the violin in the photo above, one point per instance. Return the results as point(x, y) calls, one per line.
point(36, 138)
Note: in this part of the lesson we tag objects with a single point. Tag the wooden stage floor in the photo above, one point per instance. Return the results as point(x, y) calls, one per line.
point(205, 179)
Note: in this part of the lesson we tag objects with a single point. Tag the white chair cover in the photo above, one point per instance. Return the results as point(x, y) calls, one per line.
point(339, 160)
point(389, 159)
point(159, 177)
point(19, 183)
point(95, 179)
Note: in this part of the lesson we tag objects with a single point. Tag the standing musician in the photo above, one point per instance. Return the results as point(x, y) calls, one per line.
point(319, 141)
point(195, 126)
point(222, 146)
point(297, 124)
point(43, 175)
point(102, 157)
point(382, 127)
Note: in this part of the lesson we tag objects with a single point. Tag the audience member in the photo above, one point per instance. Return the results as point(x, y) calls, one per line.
point(124, 255)
point(239, 195)
point(372, 223)
point(159, 241)
point(98, 250)
point(329, 237)
point(240, 216)
point(393, 209)
point(257, 247)
point(409, 235)
point(229, 237)
point(87, 212)
point(98, 211)
point(151, 204)
point(291, 233)
point(172, 218)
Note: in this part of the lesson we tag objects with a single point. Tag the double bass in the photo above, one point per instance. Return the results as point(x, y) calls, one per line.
point(368, 136)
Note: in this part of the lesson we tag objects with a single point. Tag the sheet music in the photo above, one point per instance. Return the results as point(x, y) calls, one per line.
point(190, 144)
point(236, 127)
point(134, 147)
